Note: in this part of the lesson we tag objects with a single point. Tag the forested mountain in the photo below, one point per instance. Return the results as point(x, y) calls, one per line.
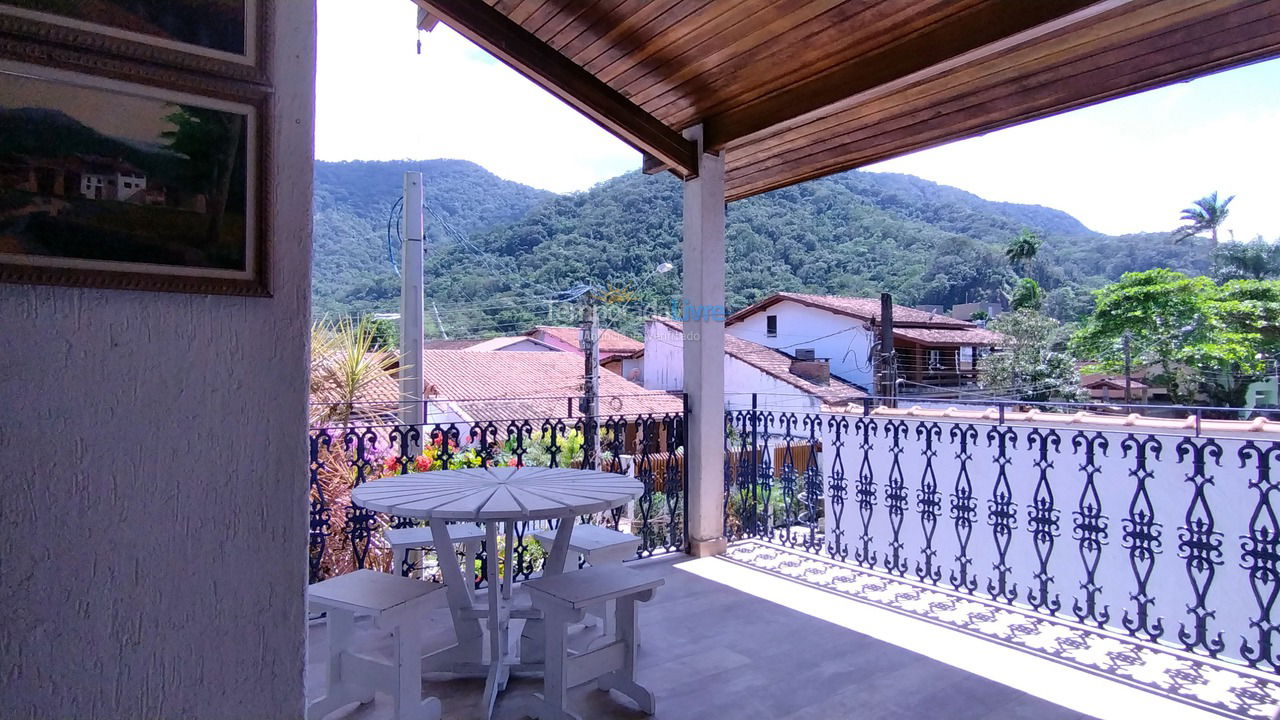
point(351, 272)
point(856, 233)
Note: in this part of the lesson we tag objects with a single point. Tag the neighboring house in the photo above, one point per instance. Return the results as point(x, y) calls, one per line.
point(1109, 387)
point(932, 349)
point(780, 380)
point(965, 311)
point(612, 343)
point(474, 385)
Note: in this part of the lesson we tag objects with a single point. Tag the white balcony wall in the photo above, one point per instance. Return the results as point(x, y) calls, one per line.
point(846, 341)
point(153, 527)
point(1230, 497)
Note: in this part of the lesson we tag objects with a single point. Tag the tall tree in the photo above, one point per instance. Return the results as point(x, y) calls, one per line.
point(1205, 215)
point(1029, 365)
point(1022, 249)
point(1197, 336)
point(1253, 260)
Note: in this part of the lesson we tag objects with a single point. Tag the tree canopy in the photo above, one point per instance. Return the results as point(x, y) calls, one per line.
point(1199, 336)
point(1030, 366)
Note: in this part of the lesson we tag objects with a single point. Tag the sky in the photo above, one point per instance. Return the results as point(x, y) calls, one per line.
point(1129, 165)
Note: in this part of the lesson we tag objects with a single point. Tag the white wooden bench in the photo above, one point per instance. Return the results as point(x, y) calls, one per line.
point(405, 540)
point(600, 546)
point(563, 600)
point(397, 605)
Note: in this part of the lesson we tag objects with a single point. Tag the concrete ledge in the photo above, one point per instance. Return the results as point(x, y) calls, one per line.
point(706, 548)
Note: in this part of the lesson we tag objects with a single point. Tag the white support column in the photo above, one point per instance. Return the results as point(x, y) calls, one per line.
point(703, 302)
point(411, 304)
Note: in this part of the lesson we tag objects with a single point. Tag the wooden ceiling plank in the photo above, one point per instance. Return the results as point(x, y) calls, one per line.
point(829, 40)
point(524, 52)
point(604, 53)
point(968, 31)
point(780, 18)
point(588, 46)
point(602, 14)
point(1250, 37)
point(698, 27)
point(977, 73)
point(522, 12)
point(1003, 85)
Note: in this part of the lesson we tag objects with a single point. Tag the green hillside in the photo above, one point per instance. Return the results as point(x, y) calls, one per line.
point(856, 233)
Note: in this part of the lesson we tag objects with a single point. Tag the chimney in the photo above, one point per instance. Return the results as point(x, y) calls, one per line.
point(817, 372)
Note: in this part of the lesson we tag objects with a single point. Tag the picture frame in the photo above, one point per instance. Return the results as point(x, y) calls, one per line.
point(224, 38)
point(106, 182)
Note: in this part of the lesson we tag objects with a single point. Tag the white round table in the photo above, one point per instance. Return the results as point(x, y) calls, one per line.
point(491, 496)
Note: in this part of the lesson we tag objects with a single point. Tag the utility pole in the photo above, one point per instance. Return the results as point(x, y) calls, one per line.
point(1128, 367)
point(590, 406)
point(411, 305)
point(888, 359)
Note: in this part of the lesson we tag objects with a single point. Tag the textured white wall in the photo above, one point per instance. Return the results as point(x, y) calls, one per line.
point(845, 341)
point(153, 446)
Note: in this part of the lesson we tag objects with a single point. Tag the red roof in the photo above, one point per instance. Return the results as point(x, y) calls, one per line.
point(930, 336)
point(778, 364)
point(611, 341)
point(866, 309)
point(497, 385)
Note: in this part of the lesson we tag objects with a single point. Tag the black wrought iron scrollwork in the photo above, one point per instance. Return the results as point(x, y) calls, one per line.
point(895, 498)
point(360, 523)
point(864, 490)
point(784, 533)
point(1042, 520)
point(964, 508)
point(837, 489)
point(1090, 528)
point(1141, 537)
point(811, 492)
point(1002, 514)
point(1260, 557)
point(319, 533)
point(1200, 545)
point(928, 503)
point(406, 440)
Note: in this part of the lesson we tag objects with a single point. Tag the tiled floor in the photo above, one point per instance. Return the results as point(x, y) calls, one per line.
point(711, 651)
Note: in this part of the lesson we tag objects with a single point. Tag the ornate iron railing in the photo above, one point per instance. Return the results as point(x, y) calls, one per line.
point(345, 536)
point(1169, 536)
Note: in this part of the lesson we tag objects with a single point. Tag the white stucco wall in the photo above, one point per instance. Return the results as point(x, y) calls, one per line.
point(153, 524)
point(847, 342)
point(1230, 498)
point(663, 369)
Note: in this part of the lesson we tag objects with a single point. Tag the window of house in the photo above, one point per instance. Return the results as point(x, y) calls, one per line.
point(771, 325)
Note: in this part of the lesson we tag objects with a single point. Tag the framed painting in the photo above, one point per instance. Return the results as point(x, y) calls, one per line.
point(108, 183)
point(219, 37)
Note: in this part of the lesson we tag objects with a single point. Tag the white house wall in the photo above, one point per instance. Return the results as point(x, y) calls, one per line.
point(663, 369)
point(153, 532)
point(842, 339)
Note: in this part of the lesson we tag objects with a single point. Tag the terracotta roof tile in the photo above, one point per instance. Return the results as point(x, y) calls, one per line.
point(611, 341)
point(965, 336)
point(867, 309)
point(499, 385)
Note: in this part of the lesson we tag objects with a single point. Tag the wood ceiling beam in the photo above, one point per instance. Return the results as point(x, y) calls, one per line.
point(965, 32)
point(531, 57)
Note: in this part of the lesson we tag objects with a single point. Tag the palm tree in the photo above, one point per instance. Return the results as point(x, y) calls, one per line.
point(1022, 249)
point(1204, 215)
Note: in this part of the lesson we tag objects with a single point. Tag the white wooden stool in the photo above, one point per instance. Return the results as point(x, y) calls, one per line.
point(404, 540)
point(600, 546)
point(563, 600)
point(397, 605)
